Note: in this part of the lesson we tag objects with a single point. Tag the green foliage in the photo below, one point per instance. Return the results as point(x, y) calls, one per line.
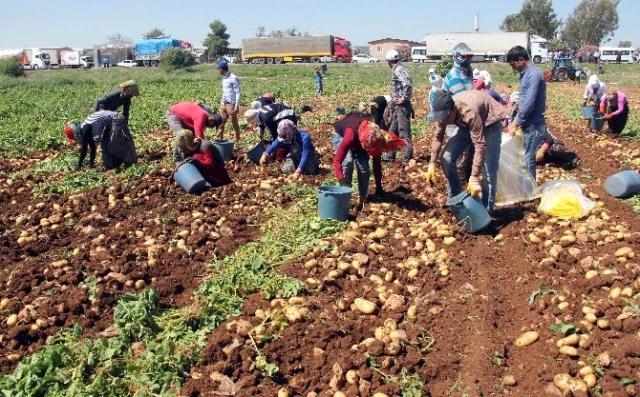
point(541, 291)
point(155, 33)
point(591, 22)
point(625, 43)
point(176, 58)
point(536, 17)
point(564, 329)
point(11, 66)
point(217, 41)
point(444, 65)
point(134, 315)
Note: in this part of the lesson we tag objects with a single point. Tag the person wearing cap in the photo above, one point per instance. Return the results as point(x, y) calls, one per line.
point(230, 103)
point(532, 103)
point(479, 119)
point(593, 94)
point(457, 80)
point(119, 98)
point(301, 158)
point(401, 108)
point(317, 74)
point(436, 85)
point(193, 117)
point(616, 108)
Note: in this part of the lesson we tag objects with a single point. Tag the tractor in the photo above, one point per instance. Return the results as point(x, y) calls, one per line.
point(563, 69)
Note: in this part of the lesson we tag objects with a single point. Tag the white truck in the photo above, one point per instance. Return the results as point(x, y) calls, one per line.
point(31, 58)
point(486, 46)
point(73, 59)
point(419, 54)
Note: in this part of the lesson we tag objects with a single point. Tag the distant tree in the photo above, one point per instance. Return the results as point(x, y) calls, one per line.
point(261, 31)
point(404, 52)
point(624, 43)
point(591, 22)
point(217, 41)
point(444, 65)
point(177, 58)
point(536, 17)
point(119, 46)
point(155, 33)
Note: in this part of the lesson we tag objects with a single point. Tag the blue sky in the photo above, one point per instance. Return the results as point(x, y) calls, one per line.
point(82, 23)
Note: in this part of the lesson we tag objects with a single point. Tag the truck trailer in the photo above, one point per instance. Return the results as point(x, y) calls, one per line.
point(147, 52)
point(31, 58)
point(278, 50)
point(73, 59)
point(486, 46)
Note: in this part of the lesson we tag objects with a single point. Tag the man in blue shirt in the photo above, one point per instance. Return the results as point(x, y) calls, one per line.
point(532, 103)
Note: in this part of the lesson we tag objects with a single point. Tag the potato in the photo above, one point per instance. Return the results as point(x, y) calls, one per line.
point(571, 340)
point(13, 357)
point(590, 380)
point(563, 305)
point(390, 324)
point(413, 273)
point(380, 395)
point(365, 306)
point(12, 320)
point(569, 351)
point(588, 370)
point(565, 382)
point(283, 392)
point(352, 377)
point(615, 292)
point(591, 274)
point(380, 233)
point(139, 284)
point(339, 394)
point(603, 323)
point(527, 338)
point(366, 225)
point(411, 312)
point(567, 240)
point(590, 317)
point(627, 292)
point(448, 241)
point(534, 239)
point(4, 303)
point(624, 251)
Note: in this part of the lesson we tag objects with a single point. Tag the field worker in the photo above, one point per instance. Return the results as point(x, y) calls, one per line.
point(201, 152)
point(109, 129)
point(117, 98)
point(317, 75)
point(531, 106)
point(457, 80)
point(554, 151)
point(230, 103)
point(593, 94)
point(401, 109)
point(475, 75)
point(379, 110)
point(480, 120)
point(357, 138)
point(268, 117)
point(302, 157)
point(437, 84)
point(480, 85)
point(616, 106)
point(191, 116)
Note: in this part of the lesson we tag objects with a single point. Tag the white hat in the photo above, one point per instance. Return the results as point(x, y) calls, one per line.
point(256, 105)
point(432, 71)
point(251, 116)
point(486, 77)
point(392, 55)
point(593, 79)
point(476, 73)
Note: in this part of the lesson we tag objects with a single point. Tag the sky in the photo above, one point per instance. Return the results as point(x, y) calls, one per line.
point(82, 23)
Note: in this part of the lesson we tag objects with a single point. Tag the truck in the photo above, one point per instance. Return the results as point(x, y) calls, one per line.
point(419, 54)
point(278, 50)
point(73, 59)
point(147, 52)
point(31, 58)
point(486, 47)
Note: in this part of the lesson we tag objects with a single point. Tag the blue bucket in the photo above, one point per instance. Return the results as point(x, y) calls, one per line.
point(587, 112)
point(225, 147)
point(255, 154)
point(334, 202)
point(623, 184)
point(469, 211)
point(597, 121)
point(189, 178)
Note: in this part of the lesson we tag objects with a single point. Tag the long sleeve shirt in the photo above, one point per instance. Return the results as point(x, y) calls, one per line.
point(401, 83)
point(99, 121)
point(271, 115)
point(622, 102)
point(192, 116)
point(113, 100)
point(230, 89)
point(477, 110)
point(351, 142)
point(533, 97)
point(595, 93)
point(301, 138)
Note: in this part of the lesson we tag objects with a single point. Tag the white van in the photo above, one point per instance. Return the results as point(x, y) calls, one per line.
point(609, 54)
point(419, 54)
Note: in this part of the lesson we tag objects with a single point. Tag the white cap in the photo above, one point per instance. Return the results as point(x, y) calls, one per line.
point(476, 73)
point(593, 79)
point(486, 77)
point(432, 71)
point(256, 105)
point(392, 55)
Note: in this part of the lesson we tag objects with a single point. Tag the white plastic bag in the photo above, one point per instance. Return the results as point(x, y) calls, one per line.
point(564, 199)
point(514, 183)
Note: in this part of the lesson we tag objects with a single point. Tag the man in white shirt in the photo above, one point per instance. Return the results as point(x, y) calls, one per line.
point(230, 103)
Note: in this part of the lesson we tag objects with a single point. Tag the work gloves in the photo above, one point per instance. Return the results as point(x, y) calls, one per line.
point(474, 187)
point(430, 175)
point(263, 161)
point(539, 156)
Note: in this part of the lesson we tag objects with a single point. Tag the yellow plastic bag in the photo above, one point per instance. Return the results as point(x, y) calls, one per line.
point(564, 199)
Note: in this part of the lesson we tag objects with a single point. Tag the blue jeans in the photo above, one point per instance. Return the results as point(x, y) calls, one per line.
point(457, 145)
point(362, 162)
point(532, 136)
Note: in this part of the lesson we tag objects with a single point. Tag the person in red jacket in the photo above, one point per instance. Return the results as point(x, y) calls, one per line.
point(204, 155)
point(357, 138)
point(191, 116)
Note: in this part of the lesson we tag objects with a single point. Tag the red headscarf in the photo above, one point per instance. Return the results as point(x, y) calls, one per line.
point(375, 140)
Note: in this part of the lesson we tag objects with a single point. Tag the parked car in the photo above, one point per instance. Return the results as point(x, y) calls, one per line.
point(129, 63)
point(364, 58)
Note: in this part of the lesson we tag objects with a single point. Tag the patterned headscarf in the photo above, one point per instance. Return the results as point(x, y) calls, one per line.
point(130, 88)
point(251, 116)
point(374, 140)
point(184, 142)
point(72, 131)
point(286, 129)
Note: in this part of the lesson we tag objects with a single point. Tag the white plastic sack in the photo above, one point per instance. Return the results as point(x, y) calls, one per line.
point(564, 199)
point(514, 183)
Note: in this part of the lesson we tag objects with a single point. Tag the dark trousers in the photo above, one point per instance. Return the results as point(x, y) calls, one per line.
point(401, 125)
point(617, 124)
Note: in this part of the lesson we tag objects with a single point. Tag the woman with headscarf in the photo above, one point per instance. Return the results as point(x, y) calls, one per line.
point(108, 128)
point(268, 117)
point(616, 108)
point(357, 138)
point(117, 98)
point(302, 157)
point(594, 91)
point(204, 155)
point(380, 109)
